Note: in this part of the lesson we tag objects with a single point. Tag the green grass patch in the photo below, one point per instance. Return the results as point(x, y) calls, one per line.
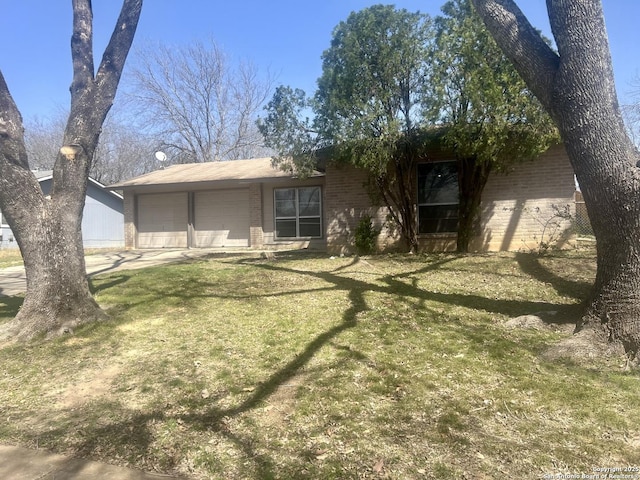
point(10, 257)
point(309, 367)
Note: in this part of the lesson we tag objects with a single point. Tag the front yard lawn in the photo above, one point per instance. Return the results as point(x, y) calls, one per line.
point(302, 366)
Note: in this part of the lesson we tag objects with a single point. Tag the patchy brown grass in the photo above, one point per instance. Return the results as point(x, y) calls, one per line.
point(10, 257)
point(306, 367)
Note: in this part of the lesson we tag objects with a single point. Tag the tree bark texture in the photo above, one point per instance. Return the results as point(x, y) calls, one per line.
point(576, 87)
point(396, 188)
point(48, 229)
point(472, 178)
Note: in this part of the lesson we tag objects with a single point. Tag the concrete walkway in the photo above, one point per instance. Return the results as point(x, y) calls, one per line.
point(13, 280)
point(18, 463)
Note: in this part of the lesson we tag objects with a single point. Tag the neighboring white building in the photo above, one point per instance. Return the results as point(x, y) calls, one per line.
point(102, 220)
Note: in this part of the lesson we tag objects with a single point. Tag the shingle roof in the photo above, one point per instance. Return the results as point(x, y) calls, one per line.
point(247, 170)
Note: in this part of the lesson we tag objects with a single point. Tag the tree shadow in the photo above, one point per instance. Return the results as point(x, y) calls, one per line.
point(404, 286)
point(96, 285)
point(9, 307)
point(213, 418)
point(530, 264)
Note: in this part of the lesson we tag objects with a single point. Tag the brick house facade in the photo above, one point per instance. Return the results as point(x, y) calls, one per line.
point(520, 209)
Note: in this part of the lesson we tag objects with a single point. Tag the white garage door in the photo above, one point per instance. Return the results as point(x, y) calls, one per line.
point(222, 218)
point(162, 220)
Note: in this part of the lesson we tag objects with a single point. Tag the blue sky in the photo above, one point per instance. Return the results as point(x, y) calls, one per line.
point(286, 36)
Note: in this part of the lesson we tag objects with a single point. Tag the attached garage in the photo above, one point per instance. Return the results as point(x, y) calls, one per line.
point(218, 205)
point(162, 220)
point(221, 218)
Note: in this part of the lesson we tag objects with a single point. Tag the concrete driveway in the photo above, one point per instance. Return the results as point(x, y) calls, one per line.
point(18, 463)
point(13, 280)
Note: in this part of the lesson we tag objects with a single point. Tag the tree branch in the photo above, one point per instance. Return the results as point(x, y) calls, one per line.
point(82, 46)
point(12, 148)
point(115, 54)
point(536, 62)
point(19, 190)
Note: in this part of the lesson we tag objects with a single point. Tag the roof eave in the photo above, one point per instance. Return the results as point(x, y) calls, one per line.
point(237, 181)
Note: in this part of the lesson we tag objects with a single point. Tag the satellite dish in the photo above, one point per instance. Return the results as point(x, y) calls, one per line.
point(161, 156)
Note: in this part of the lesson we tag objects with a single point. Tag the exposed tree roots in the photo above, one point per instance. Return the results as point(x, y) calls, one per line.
point(27, 326)
point(586, 347)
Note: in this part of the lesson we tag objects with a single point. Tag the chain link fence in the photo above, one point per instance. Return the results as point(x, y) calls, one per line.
point(582, 225)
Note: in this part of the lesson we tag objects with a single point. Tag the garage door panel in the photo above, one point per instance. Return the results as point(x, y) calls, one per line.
point(222, 218)
point(162, 220)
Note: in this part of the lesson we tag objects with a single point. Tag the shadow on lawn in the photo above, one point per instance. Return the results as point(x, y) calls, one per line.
point(9, 307)
point(134, 434)
point(530, 264)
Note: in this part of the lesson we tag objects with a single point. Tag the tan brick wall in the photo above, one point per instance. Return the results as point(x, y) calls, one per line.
point(520, 208)
point(256, 238)
point(346, 202)
point(129, 220)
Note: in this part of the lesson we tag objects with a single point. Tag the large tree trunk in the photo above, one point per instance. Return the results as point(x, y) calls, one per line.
point(396, 187)
point(58, 297)
point(406, 169)
point(48, 229)
point(472, 178)
point(576, 87)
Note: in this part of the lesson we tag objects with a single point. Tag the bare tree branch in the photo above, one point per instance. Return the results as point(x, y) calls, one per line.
point(199, 104)
point(11, 129)
point(82, 45)
point(117, 50)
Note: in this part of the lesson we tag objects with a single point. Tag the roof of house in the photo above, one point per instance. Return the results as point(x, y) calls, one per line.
point(239, 170)
point(44, 175)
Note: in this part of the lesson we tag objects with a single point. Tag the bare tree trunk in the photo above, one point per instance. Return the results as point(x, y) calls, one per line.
point(576, 87)
point(472, 178)
point(406, 170)
point(58, 296)
point(396, 188)
point(48, 230)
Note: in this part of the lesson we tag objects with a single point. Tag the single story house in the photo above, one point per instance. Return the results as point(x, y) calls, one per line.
point(102, 219)
point(249, 203)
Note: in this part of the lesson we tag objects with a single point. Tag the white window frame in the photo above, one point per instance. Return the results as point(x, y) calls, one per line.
point(297, 217)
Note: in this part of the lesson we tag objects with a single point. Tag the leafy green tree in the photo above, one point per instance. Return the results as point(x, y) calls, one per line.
point(370, 98)
point(492, 119)
point(368, 106)
point(288, 131)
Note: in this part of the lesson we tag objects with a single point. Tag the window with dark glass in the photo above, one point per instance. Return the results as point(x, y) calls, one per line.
point(298, 212)
point(438, 197)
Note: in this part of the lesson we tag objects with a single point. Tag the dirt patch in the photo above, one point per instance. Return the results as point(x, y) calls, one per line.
point(94, 384)
point(549, 321)
point(281, 403)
